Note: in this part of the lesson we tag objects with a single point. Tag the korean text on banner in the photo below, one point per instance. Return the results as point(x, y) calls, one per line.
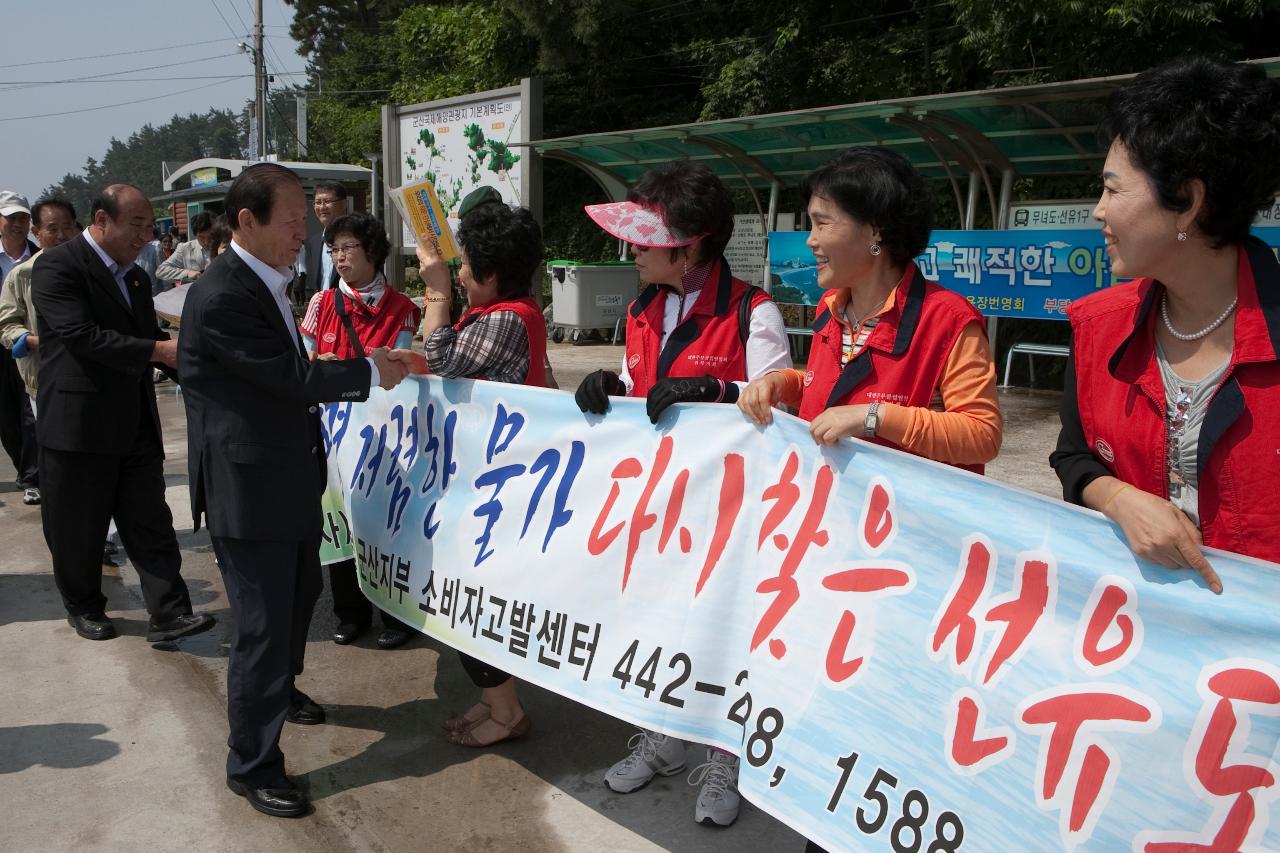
point(906, 656)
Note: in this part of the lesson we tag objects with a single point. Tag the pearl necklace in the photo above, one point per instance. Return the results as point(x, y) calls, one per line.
point(1194, 336)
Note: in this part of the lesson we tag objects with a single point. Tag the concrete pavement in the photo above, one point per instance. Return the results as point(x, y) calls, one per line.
point(120, 745)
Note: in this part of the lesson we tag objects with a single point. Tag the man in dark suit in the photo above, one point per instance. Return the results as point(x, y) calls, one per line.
point(330, 203)
point(99, 432)
point(258, 467)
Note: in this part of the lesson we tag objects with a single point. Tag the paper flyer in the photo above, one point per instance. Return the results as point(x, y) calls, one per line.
point(420, 208)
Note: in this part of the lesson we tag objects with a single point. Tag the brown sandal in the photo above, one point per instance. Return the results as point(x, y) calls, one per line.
point(459, 722)
point(515, 731)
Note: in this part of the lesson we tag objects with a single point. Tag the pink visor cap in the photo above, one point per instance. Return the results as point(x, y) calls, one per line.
point(641, 226)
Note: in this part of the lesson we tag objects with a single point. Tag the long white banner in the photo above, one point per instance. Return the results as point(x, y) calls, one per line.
point(907, 657)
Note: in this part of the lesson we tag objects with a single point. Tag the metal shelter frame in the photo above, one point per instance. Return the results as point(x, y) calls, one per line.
point(991, 137)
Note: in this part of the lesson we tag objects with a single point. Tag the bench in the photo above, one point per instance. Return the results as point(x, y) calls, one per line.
point(1031, 351)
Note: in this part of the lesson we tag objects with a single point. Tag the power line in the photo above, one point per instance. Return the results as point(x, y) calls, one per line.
point(117, 53)
point(100, 77)
point(132, 79)
point(230, 28)
point(113, 106)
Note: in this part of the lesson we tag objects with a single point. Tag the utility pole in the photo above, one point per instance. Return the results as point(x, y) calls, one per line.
point(260, 81)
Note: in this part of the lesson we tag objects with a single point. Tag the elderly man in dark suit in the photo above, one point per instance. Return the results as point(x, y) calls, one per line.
point(101, 454)
point(258, 468)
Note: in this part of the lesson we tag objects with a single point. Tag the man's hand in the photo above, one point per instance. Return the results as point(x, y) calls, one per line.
point(391, 370)
point(166, 353)
point(595, 390)
point(415, 362)
point(194, 274)
point(33, 342)
point(760, 396)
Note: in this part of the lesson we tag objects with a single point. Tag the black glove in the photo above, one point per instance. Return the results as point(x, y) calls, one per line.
point(699, 389)
point(595, 389)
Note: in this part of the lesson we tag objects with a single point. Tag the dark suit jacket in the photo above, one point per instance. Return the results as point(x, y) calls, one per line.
point(253, 425)
point(95, 385)
point(316, 248)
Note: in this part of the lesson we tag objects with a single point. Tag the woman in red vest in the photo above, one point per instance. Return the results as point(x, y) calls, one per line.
point(895, 359)
point(695, 334)
point(501, 337)
point(1171, 411)
point(361, 314)
point(690, 337)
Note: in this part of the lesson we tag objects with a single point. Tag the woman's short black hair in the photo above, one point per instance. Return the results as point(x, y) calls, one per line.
point(881, 189)
point(499, 240)
point(369, 231)
point(219, 234)
point(692, 199)
point(1198, 117)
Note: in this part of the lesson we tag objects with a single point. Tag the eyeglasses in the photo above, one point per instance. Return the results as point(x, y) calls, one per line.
point(344, 249)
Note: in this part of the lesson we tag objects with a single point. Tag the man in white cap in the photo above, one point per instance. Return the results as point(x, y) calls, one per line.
point(17, 422)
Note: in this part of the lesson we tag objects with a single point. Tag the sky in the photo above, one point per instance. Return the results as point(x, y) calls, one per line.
point(193, 40)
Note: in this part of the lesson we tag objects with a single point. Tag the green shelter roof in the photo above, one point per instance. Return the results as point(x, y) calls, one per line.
point(1043, 129)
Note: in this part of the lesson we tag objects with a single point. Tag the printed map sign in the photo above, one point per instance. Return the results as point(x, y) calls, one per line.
point(463, 145)
point(906, 656)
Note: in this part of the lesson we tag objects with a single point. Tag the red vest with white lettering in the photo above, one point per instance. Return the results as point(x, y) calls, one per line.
point(707, 342)
point(1121, 399)
point(535, 329)
point(903, 359)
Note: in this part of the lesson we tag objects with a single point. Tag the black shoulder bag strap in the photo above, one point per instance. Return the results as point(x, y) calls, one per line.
point(340, 304)
point(744, 313)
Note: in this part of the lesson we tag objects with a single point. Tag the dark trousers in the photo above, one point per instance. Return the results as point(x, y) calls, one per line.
point(17, 423)
point(349, 603)
point(81, 493)
point(273, 588)
point(482, 675)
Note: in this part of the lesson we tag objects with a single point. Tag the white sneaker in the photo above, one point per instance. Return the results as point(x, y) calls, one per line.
point(651, 755)
point(718, 800)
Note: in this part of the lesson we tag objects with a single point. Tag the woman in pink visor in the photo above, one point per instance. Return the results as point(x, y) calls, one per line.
point(695, 334)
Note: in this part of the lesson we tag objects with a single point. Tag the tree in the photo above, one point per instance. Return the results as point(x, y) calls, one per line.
point(137, 160)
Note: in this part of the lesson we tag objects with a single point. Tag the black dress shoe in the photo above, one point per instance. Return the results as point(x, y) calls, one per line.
point(393, 638)
point(179, 626)
point(279, 800)
point(303, 710)
point(348, 632)
point(92, 627)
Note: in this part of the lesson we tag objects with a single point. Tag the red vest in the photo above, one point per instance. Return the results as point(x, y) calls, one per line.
point(708, 342)
point(1121, 399)
point(535, 329)
point(903, 359)
point(376, 327)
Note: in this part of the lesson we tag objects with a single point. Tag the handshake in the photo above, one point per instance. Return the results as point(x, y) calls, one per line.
point(395, 364)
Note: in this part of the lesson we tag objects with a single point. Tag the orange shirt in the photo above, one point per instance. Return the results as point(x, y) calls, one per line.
point(963, 427)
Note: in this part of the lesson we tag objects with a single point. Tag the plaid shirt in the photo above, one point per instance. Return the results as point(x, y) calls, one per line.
point(494, 347)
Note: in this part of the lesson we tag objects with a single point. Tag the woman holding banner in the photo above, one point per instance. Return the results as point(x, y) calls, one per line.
point(501, 337)
point(361, 314)
point(896, 359)
point(1171, 410)
point(695, 334)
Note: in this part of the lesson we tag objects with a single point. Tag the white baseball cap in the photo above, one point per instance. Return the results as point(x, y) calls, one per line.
point(11, 203)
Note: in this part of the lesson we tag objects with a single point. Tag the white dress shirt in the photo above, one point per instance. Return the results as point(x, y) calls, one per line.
point(277, 280)
point(117, 272)
point(7, 262)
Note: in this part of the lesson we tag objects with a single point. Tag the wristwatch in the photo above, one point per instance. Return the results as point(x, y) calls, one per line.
point(872, 420)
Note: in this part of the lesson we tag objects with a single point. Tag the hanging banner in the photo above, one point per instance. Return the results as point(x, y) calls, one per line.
point(906, 656)
point(1018, 273)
